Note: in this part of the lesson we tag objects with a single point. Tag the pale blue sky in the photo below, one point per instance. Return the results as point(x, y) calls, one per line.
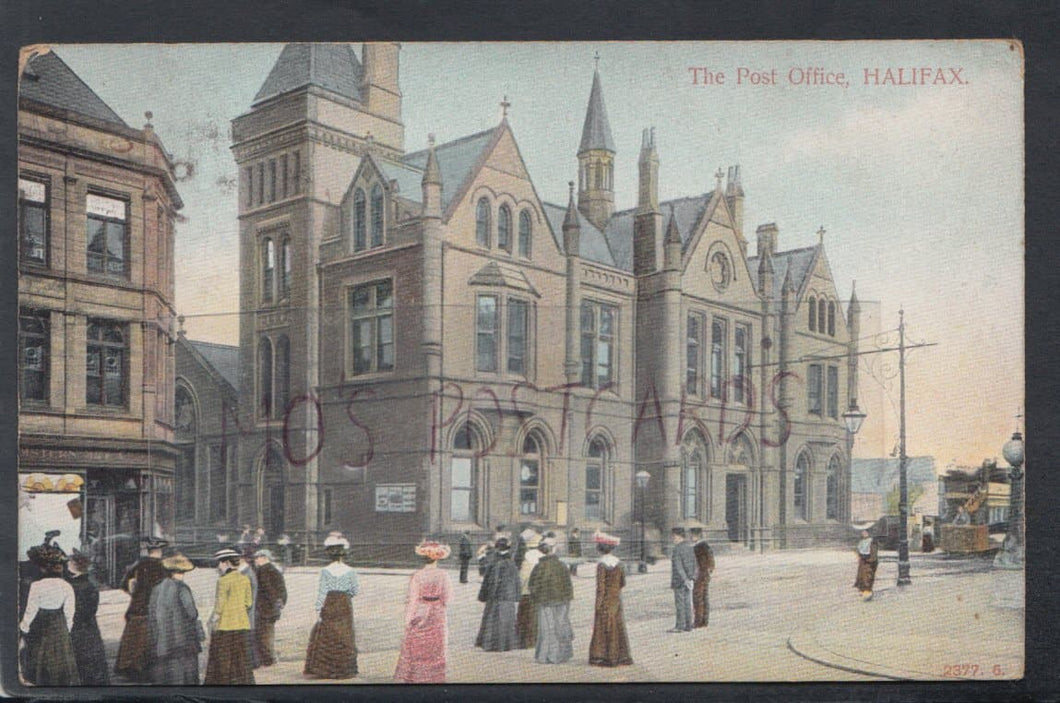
point(920, 188)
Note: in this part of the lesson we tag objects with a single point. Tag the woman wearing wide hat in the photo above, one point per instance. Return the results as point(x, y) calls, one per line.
point(176, 633)
point(50, 611)
point(228, 663)
point(134, 650)
point(84, 635)
point(332, 651)
point(426, 642)
point(609, 645)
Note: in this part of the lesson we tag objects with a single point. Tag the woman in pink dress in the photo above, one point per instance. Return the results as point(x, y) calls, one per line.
point(423, 651)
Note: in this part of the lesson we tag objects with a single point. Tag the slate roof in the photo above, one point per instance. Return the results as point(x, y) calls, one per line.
point(334, 67)
point(409, 180)
point(592, 242)
point(497, 274)
point(222, 357)
point(456, 159)
point(881, 475)
point(687, 212)
point(800, 261)
point(596, 132)
point(47, 79)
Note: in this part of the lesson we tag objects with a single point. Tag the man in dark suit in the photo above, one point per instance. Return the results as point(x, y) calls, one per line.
point(271, 598)
point(705, 567)
point(682, 579)
point(464, 554)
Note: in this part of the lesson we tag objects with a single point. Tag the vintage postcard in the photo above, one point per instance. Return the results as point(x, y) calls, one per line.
point(385, 363)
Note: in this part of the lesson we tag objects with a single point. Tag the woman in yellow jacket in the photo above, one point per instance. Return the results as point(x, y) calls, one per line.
point(229, 663)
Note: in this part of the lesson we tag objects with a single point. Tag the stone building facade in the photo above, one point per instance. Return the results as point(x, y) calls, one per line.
point(426, 346)
point(97, 203)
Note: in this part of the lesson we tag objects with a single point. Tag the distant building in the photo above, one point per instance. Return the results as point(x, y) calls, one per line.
point(873, 479)
point(427, 346)
point(97, 202)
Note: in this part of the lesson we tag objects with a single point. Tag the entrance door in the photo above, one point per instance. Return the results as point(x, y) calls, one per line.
point(101, 539)
point(275, 511)
point(736, 506)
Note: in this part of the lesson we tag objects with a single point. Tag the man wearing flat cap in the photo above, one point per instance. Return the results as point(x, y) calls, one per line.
point(271, 597)
point(134, 651)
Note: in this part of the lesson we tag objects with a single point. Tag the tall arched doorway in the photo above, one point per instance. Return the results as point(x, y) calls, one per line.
point(273, 492)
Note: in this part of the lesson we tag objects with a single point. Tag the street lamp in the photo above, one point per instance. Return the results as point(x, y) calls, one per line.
point(642, 477)
point(853, 418)
point(1011, 554)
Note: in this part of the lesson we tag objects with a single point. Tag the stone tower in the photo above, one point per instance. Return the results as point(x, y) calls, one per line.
point(596, 157)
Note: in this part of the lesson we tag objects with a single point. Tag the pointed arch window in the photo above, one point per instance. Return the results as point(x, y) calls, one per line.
point(693, 464)
point(832, 490)
point(822, 315)
point(813, 314)
point(597, 478)
point(504, 228)
point(283, 375)
point(831, 318)
point(525, 230)
point(530, 477)
point(268, 268)
point(285, 268)
point(482, 223)
point(378, 215)
point(360, 221)
point(265, 377)
point(799, 489)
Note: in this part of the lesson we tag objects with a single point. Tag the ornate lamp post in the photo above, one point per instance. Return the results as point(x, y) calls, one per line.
point(642, 477)
point(1011, 554)
point(853, 418)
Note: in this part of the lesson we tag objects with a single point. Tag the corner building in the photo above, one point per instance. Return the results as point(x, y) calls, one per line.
point(426, 346)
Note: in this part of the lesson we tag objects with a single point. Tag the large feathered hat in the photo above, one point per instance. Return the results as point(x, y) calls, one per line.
point(434, 551)
point(604, 538)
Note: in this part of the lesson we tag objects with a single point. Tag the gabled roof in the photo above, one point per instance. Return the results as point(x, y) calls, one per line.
point(686, 212)
point(592, 244)
point(334, 67)
point(409, 180)
point(495, 274)
point(47, 79)
point(798, 261)
point(456, 161)
point(881, 475)
point(223, 358)
point(596, 132)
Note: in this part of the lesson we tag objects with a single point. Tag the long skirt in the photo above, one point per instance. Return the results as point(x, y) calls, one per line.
point(609, 645)
point(866, 574)
point(176, 669)
point(555, 636)
point(526, 623)
point(264, 635)
point(423, 650)
point(134, 651)
point(89, 653)
point(332, 652)
point(497, 633)
point(49, 653)
point(228, 663)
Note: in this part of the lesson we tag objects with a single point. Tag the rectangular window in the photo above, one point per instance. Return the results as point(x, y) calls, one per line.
point(261, 183)
point(740, 380)
point(833, 392)
point(718, 332)
point(518, 325)
point(461, 503)
point(106, 367)
point(529, 483)
point(372, 327)
point(693, 353)
point(107, 235)
point(326, 501)
point(272, 180)
point(486, 315)
point(283, 175)
point(598, 322)
point(34, 357)
point(813, 388)
point(250, 186)
point(33, 220)
point(594, 491)
point(296, 172)
point(218, 483)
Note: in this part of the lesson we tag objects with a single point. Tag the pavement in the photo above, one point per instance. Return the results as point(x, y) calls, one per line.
point(781, 616)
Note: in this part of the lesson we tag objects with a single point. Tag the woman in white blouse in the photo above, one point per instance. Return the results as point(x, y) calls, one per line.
point(49, 655)
point(332, 652)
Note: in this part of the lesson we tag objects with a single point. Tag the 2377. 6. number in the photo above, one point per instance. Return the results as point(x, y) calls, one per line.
point(962, 670)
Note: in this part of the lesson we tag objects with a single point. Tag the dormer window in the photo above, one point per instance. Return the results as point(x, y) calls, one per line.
point(377, 215)
point(368, 217)
point(360, 220)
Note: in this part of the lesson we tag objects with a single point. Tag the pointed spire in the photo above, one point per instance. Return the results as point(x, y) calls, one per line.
point(855, 305)
point(789, 286)
point(432, 175)
point(765, 263)
point(570, 221)
point(596, 132)
point(673, 236)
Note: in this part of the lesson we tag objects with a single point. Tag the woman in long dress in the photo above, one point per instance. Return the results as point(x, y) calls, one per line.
point(552, 591)
point(176, 634)
point(46, 624)
point(84, 635)
point(228, 662)
point(332, 651)
point(526, 615)
point(867, 563)
point(426, 643)
point(500, 593)
point(609, 645)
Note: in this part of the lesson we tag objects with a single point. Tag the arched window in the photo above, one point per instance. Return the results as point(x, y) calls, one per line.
point(596, 478)
point(813, 314)
point(360, 221)
point(285, 268)
point(530, 477)
point(482, 223)
point(283, 375)
point(463, 496)
point(268, 268)
point(525, 229)
point(265, 377)
point(377, 215)
point(693, 464)
point(831, 318)
point(799, 491)
point(822, 322)
point(832, 490)
point(504, 228)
